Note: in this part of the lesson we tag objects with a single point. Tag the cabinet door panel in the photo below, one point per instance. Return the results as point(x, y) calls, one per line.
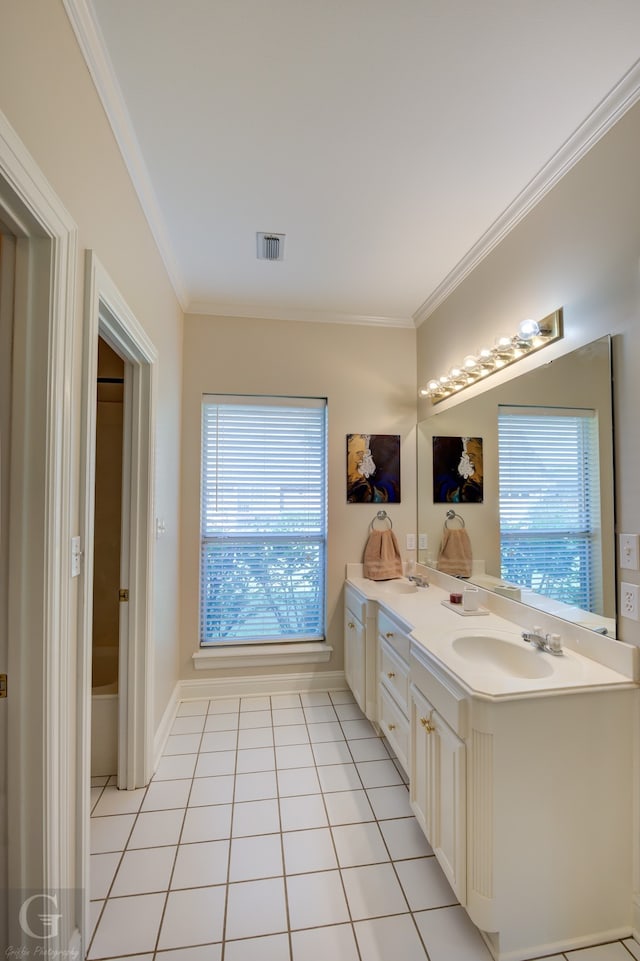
point(438, 789)
point(419, 773)
point(354, 656)
point(449, 831)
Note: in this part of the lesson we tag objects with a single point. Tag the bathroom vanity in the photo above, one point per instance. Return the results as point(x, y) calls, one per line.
point(520, 764)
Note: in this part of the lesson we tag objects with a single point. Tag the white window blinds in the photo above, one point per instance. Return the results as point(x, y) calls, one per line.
point(549, 497)
point(263, 520)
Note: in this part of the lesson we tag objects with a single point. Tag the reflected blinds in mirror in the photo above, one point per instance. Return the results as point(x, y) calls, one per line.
point(549, 503)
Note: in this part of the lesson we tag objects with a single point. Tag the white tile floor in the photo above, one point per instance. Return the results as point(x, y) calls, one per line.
point(275, 829)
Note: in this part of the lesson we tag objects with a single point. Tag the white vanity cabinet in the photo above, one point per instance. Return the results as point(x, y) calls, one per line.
point(528, 805)
point(360, 658)
point(393, 693)
point(354, 644)
point(438, 792)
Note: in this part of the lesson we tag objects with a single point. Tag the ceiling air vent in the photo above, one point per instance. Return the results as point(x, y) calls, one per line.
point(270, 246)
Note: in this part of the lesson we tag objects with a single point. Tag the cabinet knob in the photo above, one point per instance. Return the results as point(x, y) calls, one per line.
point(351, 625)
point(391, 727)
point(389, 634)
point(427, 725)
point(391, 674)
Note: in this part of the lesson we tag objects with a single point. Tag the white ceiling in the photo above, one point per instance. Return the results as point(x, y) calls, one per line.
point(392, 141)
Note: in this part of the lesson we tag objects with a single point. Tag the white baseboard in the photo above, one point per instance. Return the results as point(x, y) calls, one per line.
point(74, 950)
point(265, 684)
point(208, 687)
point(164, 727)
point(635, 921)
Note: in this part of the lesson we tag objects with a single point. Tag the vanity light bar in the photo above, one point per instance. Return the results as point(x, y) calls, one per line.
point(530, 336)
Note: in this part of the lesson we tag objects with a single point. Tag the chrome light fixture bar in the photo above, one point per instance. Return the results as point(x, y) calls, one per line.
point(530, 336)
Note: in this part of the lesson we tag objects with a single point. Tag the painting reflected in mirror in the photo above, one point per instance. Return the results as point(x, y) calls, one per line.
point(543, 533)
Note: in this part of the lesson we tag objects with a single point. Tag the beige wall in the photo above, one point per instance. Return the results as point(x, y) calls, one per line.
point(48, 97)
point(368, 376)
point(578, 249)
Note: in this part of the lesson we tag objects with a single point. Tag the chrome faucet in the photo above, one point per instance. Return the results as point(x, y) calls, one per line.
point(551, 643)
point(419, 580)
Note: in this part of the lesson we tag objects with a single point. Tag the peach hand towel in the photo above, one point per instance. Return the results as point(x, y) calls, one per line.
point(382, 559)
point(455, 553)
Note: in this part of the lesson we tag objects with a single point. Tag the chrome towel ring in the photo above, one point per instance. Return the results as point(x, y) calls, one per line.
point(381, 516)
point(451, 515)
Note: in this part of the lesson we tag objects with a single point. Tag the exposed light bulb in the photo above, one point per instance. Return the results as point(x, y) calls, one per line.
point(529, 329)
point(529, 337)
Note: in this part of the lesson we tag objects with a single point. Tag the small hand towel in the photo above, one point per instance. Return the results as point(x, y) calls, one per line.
point(382, 559)
point(455, 553)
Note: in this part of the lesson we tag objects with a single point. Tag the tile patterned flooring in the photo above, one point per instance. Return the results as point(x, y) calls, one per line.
point(275, 829)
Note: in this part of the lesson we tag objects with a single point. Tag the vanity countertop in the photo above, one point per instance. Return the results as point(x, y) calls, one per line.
point(435, 629)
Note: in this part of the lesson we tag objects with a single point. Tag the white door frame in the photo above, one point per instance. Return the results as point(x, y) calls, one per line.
point(42, 805)
point(108, 316)
point(7, 272)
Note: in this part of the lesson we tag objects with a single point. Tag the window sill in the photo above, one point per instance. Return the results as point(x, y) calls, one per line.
point(262, 655)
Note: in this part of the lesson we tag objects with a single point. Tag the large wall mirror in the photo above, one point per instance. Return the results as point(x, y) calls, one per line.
point(544, 534)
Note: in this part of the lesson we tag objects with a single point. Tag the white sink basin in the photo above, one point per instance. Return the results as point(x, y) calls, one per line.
point(511, 656)
point(397, 587)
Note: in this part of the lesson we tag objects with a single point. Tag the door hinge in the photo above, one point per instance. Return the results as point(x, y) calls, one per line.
point(3, 685)
point(123, 594)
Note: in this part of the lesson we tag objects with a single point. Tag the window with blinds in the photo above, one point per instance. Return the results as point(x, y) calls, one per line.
point(263, 520)
point(549, 503)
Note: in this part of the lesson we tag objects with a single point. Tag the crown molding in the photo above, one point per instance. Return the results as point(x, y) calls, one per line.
point(93, 50)
point(297, 314)
point(611, 108)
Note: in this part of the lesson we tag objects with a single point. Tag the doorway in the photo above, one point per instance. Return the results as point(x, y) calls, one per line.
point(38, 421)
point(108, 319)
point(107, 549)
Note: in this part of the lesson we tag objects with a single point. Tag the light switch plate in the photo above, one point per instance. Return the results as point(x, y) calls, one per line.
point(76, 555)
point(629, 552)
point(411, 542)
point(423, 542)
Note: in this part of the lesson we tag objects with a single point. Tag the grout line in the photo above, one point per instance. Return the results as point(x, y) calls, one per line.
point(158, 955)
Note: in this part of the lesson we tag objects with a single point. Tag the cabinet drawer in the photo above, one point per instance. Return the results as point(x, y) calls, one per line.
point(447, 698)
point(394, 674)
point(356, 603)
point(395, 727)
point(394, 635)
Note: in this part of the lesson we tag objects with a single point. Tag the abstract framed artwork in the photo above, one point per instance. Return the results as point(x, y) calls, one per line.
point(373, 468)
point(458, 472)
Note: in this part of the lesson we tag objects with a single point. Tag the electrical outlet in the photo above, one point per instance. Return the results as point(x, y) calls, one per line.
point(629, 601)
point(411, 542)
point(629, 552)
point(423, 542)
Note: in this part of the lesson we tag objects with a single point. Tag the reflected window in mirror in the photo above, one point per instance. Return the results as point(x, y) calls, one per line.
point(549, 492)
point(578, 380)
